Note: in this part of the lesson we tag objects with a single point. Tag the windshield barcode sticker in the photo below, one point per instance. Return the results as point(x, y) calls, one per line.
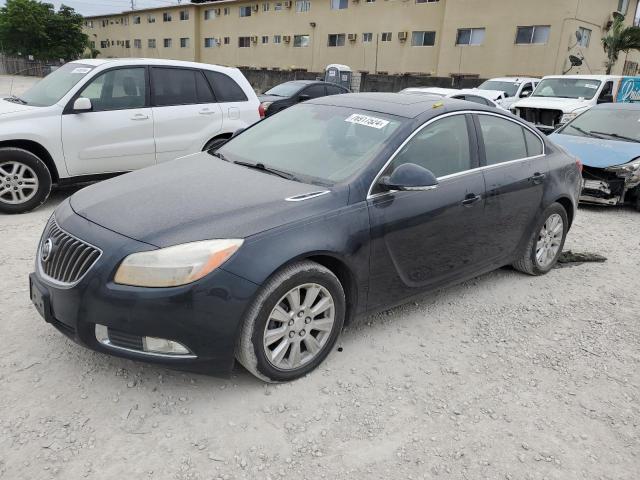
point(591, 85)
point(81, 70)
point(367, 121)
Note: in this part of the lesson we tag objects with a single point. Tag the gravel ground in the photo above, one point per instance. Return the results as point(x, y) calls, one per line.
point(503, 377)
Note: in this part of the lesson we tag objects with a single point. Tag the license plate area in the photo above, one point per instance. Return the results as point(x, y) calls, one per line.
point(40, 299)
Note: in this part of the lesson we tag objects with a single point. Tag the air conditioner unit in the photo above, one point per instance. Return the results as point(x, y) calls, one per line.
point(255, 8)
point(288, 4)
point(254, 39)
point(286, 38)
point(352, 37)
point(402, 36)
point(217, 12)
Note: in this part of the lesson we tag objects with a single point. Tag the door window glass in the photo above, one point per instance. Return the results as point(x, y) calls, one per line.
point(607, 93)
point(527, 89)
point(314, 91)
point(117, 89)
point(225, 88)
point(177, 86)
point(442, 147)
point(503, 139)
point(534, 145)
point(333, 90)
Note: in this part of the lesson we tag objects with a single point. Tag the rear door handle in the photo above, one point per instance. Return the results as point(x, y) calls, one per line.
point(538, 177)
point(470, 199)
point(140, 116)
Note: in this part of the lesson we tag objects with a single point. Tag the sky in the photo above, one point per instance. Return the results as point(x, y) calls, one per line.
point(98, 7)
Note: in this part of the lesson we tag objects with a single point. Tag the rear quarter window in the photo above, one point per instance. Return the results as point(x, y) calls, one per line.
point(534, 145)
point(225, 88)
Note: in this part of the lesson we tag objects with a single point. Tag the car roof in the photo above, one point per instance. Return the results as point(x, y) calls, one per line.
point(303, 82)
point(398, 104)
point(117, 62)
point(514, 79)
point(585, 77)
point(617, 106)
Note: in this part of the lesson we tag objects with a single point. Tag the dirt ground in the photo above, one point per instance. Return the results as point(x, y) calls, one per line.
point(503, 377)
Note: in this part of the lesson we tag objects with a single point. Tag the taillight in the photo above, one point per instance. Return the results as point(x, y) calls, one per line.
point(261, 111)
point(579, 164)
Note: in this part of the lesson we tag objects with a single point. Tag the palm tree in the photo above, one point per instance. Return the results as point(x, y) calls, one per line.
point(619, 38)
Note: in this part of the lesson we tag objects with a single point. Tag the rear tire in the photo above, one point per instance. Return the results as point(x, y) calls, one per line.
point(25, 181)
point(545, 245)
point(293, 323)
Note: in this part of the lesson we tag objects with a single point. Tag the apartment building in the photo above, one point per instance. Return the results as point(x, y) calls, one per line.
point(438, 37)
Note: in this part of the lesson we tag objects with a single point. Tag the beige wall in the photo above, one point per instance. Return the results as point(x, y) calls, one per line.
point(498, 55)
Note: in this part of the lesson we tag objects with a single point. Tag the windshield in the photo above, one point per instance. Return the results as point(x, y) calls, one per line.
point(567, 88)
point(54, 86)
point(315, 143)
point(509, 88)
point(284, 89)
point(607, 124)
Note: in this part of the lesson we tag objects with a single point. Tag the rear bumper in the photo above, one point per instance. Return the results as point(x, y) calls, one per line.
point(204, 316)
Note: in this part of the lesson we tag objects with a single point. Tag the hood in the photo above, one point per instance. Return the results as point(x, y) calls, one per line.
point(198, 197)
point(12, 107)
point(270, 98)
point(596, 152)
point(567, 105)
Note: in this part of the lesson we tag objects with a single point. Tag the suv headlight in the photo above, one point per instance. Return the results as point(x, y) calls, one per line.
point(177, 265)
point(628, 170)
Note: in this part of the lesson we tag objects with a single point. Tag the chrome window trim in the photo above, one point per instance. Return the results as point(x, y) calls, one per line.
point(53, 281)
point(464, 172)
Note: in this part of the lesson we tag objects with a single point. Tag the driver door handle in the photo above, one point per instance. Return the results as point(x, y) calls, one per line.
point(140, 116)
point(206, 111)
point(470, 199)
point(538, 177)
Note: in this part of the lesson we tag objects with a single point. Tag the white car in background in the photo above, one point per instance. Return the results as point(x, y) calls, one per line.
point(483, 97)
point(92, 119)
point(514, 88)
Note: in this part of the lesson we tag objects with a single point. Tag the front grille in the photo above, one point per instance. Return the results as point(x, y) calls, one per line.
point(125, 340)
point(69, 258)
point(541, 116)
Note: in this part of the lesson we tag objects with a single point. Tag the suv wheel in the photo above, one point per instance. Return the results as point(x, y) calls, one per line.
point(25, 181)
point(293, 323)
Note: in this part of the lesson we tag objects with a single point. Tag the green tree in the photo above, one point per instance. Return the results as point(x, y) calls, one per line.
point(619, 38)
point(29, 27)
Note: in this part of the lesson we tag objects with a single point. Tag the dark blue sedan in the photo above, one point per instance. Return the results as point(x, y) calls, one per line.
point(606, 138)
point(262, 250)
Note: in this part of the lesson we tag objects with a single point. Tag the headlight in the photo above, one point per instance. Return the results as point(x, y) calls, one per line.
point(177, 265)
point(567, 117)
point(630, 169)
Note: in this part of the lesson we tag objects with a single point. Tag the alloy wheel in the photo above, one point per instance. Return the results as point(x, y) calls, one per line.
point(549, 240)
point(299, 326)
point(18, 183)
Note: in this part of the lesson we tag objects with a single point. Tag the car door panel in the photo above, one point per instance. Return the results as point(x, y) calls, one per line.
point(117, 135)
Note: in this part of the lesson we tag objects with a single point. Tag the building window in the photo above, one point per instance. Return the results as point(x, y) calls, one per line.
point(367, 37)
point(166, 17)
point(137, 43)
point(265, 39)
point(536, 34)
point(244, 42)
point(104, 44)
point(369, 1)
point(151, 19)
point(470, 36)
point(623, 6)
point(303, 5)
point(339, 4)
point(427, 1)
point(277, 39)
point(386, 36)
point(184, 15)
point(92, 44)
point(184, 42)
point(227, 40)
point(423, 39)
point(265, 7)
point(227, 10)
point(105, 23)
point(301, 40)
point(127, 44)
point(584, 37)
point(209, 14)
point(136, 19)
point(336, 40)
point(167, 43)
point(152, 43)
point(245, 11)
point(210, 42)
point(125, 20)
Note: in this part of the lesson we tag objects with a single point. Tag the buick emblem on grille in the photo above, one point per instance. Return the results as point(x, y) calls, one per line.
point(46, 250)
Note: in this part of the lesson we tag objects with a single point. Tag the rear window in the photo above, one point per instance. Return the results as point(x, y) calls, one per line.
point(225, 88)
point(177, 86)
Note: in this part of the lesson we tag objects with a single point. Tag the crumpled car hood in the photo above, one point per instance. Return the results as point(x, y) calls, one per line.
point(596, 152)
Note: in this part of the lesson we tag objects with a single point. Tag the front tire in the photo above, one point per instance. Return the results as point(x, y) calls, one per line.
point(545, 245)
point(293, 323)
point(25, 181)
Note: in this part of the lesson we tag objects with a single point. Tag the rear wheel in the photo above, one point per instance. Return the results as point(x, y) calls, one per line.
point(25, 181)
point(293, 323)
point(546, 242)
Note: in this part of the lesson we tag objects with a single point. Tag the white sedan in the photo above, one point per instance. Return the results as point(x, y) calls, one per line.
point(492, 98)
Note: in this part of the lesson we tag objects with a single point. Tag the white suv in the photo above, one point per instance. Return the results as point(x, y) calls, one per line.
point(97, 118)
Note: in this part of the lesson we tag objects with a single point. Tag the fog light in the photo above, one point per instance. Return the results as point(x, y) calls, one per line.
point(161, 345)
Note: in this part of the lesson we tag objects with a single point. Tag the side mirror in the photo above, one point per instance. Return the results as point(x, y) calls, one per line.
point(82, 104)
point(410, 176)
point(303, 97)
point(525, 93)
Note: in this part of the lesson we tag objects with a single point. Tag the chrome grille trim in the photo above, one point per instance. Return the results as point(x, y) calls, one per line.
point(71, 259)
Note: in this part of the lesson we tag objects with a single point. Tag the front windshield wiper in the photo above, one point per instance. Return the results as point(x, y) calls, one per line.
point(218, 155)
point(262, 167)
point(16, 99)
point(586, 132)
point(617, 136)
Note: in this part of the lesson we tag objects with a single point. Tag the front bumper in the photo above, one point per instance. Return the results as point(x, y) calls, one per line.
point(601, 187)
point(204, 316)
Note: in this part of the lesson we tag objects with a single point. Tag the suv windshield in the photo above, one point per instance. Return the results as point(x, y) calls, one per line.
point(284, 89)
point(54, 86)
point(567, 88)
point(509, 88)
point(314, 143)
point(606, 124)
